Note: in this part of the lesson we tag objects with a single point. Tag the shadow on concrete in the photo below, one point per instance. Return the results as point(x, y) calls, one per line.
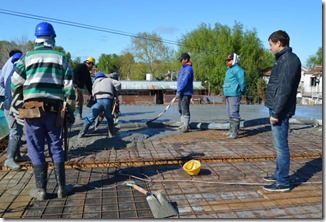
point(256, 131)
point(306, 172)
point(120, 177)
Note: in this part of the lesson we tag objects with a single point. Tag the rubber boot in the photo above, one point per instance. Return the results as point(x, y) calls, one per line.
point(60, 176)
point(41, 174)
point(230, 128)
point(81, 113)
point(77, 111)
point(111, 130)
point(11, 152)
point(83, 130)
point(181, 123)
point(235, 128)
point(184, 123)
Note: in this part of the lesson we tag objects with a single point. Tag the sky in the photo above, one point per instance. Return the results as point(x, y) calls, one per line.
point(301, 19)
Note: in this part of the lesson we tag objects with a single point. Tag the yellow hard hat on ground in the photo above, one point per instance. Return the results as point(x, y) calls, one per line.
point(192, 167)
point(91, 59)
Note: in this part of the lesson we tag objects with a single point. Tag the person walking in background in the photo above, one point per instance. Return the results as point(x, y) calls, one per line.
point(185, 91)
point(43, 80)
point(15, 129)
point(234, 88)
point(82, 78)
point(104, 91)
point(281, 95)
point(7, 68)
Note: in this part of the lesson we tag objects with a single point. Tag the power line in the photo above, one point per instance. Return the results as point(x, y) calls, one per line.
point(81, 25)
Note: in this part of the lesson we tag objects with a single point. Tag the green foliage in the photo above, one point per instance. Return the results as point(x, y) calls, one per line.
point(261, 89)
point(149, 50)
point(109, 63)
point(127, 63)
point(316, 59)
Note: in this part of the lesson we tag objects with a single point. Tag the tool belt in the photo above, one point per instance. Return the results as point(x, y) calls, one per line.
point(35, 109)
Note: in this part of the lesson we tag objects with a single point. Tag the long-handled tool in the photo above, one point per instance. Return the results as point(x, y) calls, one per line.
point(159, 205)
point(166, 108)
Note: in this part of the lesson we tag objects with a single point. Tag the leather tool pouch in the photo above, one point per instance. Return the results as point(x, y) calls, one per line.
point(31, 109)
point(60, 117)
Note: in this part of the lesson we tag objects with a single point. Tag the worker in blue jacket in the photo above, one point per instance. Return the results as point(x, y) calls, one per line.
point(234, 88)
point(185, 90)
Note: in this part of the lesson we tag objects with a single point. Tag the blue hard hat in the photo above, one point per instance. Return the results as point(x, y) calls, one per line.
point(16, 56)
point(99, 75)
point(44, 29)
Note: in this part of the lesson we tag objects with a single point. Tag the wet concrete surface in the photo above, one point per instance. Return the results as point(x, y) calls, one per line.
point(229, 184)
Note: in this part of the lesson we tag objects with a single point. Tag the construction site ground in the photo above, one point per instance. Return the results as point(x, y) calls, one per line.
point(229, 184)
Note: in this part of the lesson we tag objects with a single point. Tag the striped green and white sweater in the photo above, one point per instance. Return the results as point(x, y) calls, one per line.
point(44, 74)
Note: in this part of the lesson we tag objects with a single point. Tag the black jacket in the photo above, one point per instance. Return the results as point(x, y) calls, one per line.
point(284, 80)
point(82, 77)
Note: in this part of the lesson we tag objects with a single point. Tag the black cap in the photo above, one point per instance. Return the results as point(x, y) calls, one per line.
point(184, 56)
point(230, 57)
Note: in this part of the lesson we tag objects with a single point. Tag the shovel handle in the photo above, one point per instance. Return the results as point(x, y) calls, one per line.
point(140, 189)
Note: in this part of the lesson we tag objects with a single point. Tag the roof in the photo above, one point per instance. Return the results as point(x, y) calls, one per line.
point(155, 85)
point(315, 71)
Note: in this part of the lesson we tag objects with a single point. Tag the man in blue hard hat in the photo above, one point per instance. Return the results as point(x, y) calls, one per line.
point(15, 128)
point(104, 91)
point(43, 80)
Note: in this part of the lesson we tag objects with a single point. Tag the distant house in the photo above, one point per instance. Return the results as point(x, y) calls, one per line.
point(312, 86)
point(310, 89)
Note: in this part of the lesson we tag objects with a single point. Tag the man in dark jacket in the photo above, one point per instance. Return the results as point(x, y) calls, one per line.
point(281, 100)
point(81, 78)
point(185, 90)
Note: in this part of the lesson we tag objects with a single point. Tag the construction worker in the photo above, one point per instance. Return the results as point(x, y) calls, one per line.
point(185, 91)
point(15, 129)
point(234, 88)
point(43, 81)
point(104, 91)
point(82, 77)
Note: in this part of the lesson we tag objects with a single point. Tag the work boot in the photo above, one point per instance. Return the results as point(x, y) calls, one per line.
point(41, 174)
point(83, 130)
point(235, 128)
point(11, 152)
point(78, 112)
point(111, 130)
point(230, 128)
point(184, 123)
point(10, 163)
point(60, 176)
point(97, 123)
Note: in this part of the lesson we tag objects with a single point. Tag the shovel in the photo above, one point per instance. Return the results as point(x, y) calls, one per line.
point(159, 205)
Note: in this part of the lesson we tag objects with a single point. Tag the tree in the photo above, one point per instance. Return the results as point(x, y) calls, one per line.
point(20, 43)
point(316, 59)
point(109, 63)
point(127, 65)
point(149, 49)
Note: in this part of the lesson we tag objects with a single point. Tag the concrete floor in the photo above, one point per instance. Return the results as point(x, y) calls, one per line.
point(229, 184)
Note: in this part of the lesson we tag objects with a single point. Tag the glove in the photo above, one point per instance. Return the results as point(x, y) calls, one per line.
point(17, 103)
point(70, 118)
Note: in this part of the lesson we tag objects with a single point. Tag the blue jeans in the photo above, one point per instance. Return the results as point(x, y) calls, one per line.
point(281, 145)
point(100, 106)
point(183, 105)
point(233, 107)
point(39, 130)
